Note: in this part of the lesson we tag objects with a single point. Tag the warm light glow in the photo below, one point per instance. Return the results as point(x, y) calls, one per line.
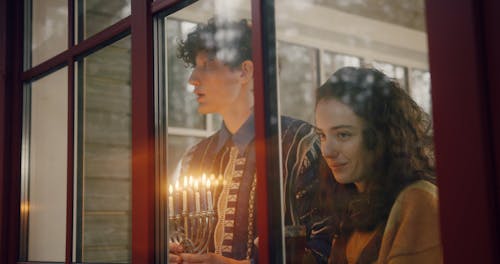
point(185, 182)
point(25, 207)
point(208, 183)
point(170, 189)
point(177, 188)
point(196, 185)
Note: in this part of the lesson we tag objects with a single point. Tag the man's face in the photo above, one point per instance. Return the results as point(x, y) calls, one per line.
point(217, 87)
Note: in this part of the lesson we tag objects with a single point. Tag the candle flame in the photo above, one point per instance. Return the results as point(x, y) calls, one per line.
point(177, 185)
point(196, 185)
point(208, 183)
point(170, 189)
point(185, 181)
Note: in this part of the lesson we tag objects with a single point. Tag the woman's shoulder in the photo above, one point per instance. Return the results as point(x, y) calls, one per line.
point(416, 207)
point(418, 193)
point(412, 229)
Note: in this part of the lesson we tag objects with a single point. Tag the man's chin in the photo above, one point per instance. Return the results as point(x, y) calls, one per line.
point(204, 111)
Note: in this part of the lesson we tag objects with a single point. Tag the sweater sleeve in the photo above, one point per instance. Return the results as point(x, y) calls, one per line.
point(412, 231)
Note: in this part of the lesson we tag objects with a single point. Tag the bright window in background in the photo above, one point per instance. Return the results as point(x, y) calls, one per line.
point(393, 71)
point(332, 61)
point(420, 88)
point(298, 77)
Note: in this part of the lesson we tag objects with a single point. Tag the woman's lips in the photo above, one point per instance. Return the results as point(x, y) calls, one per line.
point(337, 166)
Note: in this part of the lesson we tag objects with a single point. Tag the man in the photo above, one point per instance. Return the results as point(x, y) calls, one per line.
point(221, 57)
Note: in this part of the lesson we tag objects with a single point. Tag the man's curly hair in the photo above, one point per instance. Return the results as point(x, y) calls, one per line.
point(397, 131)
point(227, 41)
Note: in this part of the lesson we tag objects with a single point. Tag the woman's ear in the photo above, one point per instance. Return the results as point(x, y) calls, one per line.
point(247, 70)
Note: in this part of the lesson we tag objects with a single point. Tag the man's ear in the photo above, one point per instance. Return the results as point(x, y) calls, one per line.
point(247, 70)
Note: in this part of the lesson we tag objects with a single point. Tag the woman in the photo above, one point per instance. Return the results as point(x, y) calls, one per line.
point(378, 142)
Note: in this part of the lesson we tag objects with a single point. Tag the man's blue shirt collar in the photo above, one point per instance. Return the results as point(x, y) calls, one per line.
point(241, 138)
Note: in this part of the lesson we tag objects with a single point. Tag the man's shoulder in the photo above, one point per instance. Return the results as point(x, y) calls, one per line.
point(295, 127)
point(287, 121)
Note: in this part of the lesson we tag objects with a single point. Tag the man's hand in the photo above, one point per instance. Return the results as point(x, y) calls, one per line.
point(174, 250)
point(210, 258)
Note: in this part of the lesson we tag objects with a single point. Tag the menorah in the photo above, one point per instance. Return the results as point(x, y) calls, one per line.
point(193, 224)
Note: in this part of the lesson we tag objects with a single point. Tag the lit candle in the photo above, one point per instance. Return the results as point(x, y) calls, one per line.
point(170, 201)
point(209, 197)
point(203, 179)
point(177, 206)
point(184, 195)
point(203, 192)
point(197, 196)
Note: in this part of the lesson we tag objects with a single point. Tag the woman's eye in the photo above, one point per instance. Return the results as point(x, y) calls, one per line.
point(343, 135)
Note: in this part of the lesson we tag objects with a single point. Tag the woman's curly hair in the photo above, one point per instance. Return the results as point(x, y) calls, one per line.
point(397, 131)
point(227, 41)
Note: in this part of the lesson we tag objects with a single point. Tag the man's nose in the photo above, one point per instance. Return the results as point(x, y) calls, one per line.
point(193, 79)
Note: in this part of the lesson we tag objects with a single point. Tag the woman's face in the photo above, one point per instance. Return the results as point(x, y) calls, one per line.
point(341, 133)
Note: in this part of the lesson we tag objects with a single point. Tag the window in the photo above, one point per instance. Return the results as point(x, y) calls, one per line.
point(96, 114)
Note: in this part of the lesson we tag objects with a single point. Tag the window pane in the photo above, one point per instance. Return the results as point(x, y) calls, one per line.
point(104, 174)
point(45, 202)
point(298, 77)
point(47, 32)
point(199, 100)
point(358, 118)
point(96, 15)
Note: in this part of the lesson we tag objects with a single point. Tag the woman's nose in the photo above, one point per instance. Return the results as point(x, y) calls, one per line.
point(330, 149)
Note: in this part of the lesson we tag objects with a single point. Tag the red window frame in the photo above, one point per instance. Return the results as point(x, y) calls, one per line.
point(464, 55)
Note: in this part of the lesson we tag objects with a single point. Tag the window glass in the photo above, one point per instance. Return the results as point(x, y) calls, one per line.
point(43, 207)
point(46, 33)
point(96, 15)
point(210, 153)
point(368, 50)
point(298, 76)
point(103, 206)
